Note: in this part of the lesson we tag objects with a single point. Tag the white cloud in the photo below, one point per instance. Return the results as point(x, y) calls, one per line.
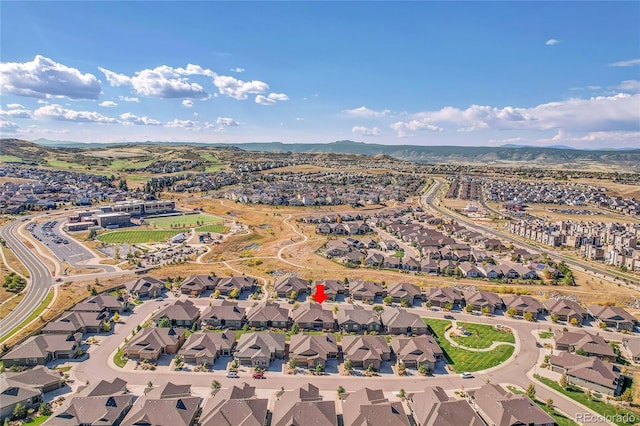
point(129, 119)
point(630, 85)
point(239, 89)
point(552, 42)
point(129, 99)
point(57, 112)
point(278, 96)
point(628, 63)
point(364, 112)
point(406, 128)
point(8, 126)
point(263, 100)
point(238, 69)
point(183, 124)
point(187, 103)
point(617, 112)
point(108, 104)
point(162, 82)
point(20, 112)
point(44, 77)
point(366, 131)
point(226, 122)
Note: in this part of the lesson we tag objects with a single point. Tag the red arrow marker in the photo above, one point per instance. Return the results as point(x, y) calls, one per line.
point(320, 297)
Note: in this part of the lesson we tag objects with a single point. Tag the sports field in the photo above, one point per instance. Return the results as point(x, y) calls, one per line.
point(218, 229)
point(185, 221)
point(136, 237)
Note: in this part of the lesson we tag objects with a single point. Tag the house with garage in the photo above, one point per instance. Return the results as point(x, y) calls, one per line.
point(589, 372)
point(404, 290)
point(523, 305)
point(205, 348)
point(312, 350)
point(613, 317)
point(303, 406)
point(416, 351)
point(433, 405)
point(27, 388)
point(566, 310)
point(223, 315)
point(41, 349)
point(584, 343)
point(364, 405)
point(365, 351)
point(92, 410)
point(260, 349)
point(366, 290)
point(268, 315)
point(357, 319)
point(332, 288)
point(483, 301)
point(497, 406)
point(152, 342)
point(242, 284)
point(235, 406)
point(442, 297)
point(285, 285)
point(145, 287)
point(182, 313)
point(401, 321)
point(312, 316)
point(195, 285)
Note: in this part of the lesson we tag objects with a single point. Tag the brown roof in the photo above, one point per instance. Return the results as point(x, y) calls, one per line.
point(233, 407)
point(144, 284)
point(358, 314)
point(361, 348)
point(611, 313)
point(174, 411)
point(98, 303)
point(404, 290)
point(94, 410)
point(564, 307)
point(268, 311)
point(365, 288)
point(370, 407)
point(154, 339)
point(524, 303)
point(303, 407)
point(313, 346)
point(39, 346)
point(443, 294)
point(168, 390)
point(289, 284)
point(312, 312)
point(398, 317)
point(264, 343)
point(418, 348)
point(588, 368)
point(434, 408)
point(502, 408)
point(590, 343)
point(482, 298)
point(105, 388)
point(207, 344)
point(182, 310)
point(227, 310)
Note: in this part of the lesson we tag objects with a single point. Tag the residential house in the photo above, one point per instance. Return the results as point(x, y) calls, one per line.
point(152, 342)
point(259, 349)
point(433, 407)
point(357, 319)
point(365, 351)
point(410, 264)
point(429, 266)
point(302, 407)
point(404, 290)
point(205, 348)
point(170, 411)
point(105, 388)
point(523, 304)
point(225, 315)
point(633, 348)
point(584, 343)
point(285, 285)
point(92, 410)
point(469, 270)
point(566, 310)
point(443, 296)
point(401, 321)
point(268, 315)
point(235, 406)
point(242, 284)
point(195, 285)
point(182, 313)
point(312, 350)
point(26, 388)
point(100, 303)
point(77, 322)
point(613, 316)
point(332, 288)
point(416, 351)
point(388, 245)
point(312, 316)
point(374, 260)
point(392, 262)
point(366, 290)
point(145, 287)
point(499, 407)
point(483, 301)
point(369, 406)
point(41, 349)
point(589, 372)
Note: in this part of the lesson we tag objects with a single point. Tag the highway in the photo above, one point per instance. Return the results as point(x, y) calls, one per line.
point(40, 277)
point(429, 197)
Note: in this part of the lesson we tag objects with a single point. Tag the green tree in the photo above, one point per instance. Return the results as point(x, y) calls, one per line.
point(115, 317)
point(292, 363)
point(216, 294)
point(554, 318)
point(335, 308)
point(549, 404)
point(378, 309)
point(348, 365)
point(164, 322)
point(149, 384)
point(627, 395)
point(340, 390)
point(44, 409)
point(512, 312)
point(19, 411)
point(469, 308)
point(93, 234)
point(404, 302)
point(106, 326)
point(486, 310)
point(564, 381)
point(531, 391)
point(528, 316)
point(448, 306)
point(234, 293)
point(388, 300)
point(423, 369)
point(293, 296)
point(215, 385)
point(574, 322)
point(295, 328)
point(402, 394)
point(319, 368)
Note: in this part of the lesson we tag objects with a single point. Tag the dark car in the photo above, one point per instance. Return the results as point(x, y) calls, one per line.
point(451, 317)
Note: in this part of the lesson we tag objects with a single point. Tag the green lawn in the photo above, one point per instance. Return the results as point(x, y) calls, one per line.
point(209, 157)
point(10, 159)
point(184, 221)
point(599, 407)
point(218, 229)
point(121, 164)
point(60, 164)
point(119, 359)
point(560, 419)
point(37, 421)
point(482, 336)
point(134, 237)
point(39, 310)
point(462, 360)
point(546, 334)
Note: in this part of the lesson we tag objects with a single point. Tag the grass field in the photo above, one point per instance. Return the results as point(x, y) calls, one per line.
point(599, 407)
point(214, 168)
point(10, 159)
point(185, 221)
point(121, 164)
point(135, 237)
point(481, 336)
point(60, 164)
point(209, 157)
point(218, 229)
point(462, 360)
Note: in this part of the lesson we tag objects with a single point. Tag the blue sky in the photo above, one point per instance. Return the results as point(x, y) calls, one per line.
point(421, 73)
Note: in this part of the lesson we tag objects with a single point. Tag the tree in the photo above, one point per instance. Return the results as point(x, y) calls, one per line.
point(564, 381)
point(335, 308)
point(528, 316)
point(402, 369)
point(404, 302)
point(115, 317)
point(378, 309)
point(469, 308)
point(574, 322)
point(149, 384)
point(106, 326)
point(549, 404)
point(531, 391)
point(295, 328)
point(423, 369)
point(319, 368)
point(402, 394)
point(581, 351)
point(215, 385)
point(627, 395)
point(293, 295)
point(164, 322)
point(554, 318)
point(512, 312)
point(340, 390)
point(388, 300)
point(44, 409)
point(93, 234)
point(448, 306)
point(216, 294)
point(486, 310)
point(348, 365)
point(19, 411)
point(292, 363)
point(234, 293)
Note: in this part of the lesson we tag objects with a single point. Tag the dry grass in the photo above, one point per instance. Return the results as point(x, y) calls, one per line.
point(9, 302)
point(14, 263)
point(545, 211)
point(613, 188)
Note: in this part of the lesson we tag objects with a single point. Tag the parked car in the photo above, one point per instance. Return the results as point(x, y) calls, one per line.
point(466, 375)
point(232, 375)
point(450, 317)
point(259, 375)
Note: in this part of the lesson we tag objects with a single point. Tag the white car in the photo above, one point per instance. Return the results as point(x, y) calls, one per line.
point(232, 375)
point(466, 375)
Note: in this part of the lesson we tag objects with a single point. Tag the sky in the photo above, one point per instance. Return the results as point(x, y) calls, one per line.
point(410, 73)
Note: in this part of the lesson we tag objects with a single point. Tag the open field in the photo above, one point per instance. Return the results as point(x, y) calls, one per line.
point(547, 211)
point(14, 263)
point(121, 164)
point(10, 159)
point(38, 311)
point(136, 237)
point(184, 221)
point(462, 360)
point(218, 229)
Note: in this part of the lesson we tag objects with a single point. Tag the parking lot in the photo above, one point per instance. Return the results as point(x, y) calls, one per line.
point(64, 248)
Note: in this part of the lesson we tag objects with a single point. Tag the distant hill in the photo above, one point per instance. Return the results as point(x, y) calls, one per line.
point(26, 151)
point(554, 157)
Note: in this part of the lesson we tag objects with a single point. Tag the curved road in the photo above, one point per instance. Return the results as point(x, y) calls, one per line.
point(429, 197)
point(40, 277)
